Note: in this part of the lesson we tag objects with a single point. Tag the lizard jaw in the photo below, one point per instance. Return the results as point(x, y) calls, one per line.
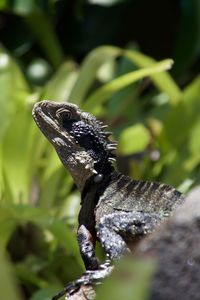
point(41, 119)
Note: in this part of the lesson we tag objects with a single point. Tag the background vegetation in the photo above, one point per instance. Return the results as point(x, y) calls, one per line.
point(90, 53)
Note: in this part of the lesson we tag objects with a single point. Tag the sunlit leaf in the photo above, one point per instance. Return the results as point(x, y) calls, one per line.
point(133, 139)
point(178, 139)
point(183, 117)
point(88, 70)
point(107, 71)
point(194, 143)
point(51, 179)
point(18, 6)
point(115, 85)
point(100, 55)
point(14, 89)
point(17, 150)
point(61, 84)
point(8, 284)
point(130, 280)
point(163, 81)
point(7, 226)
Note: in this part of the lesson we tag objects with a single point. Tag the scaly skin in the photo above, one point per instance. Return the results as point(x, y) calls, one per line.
point(115, 209)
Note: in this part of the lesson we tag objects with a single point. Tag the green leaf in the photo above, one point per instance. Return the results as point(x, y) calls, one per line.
point(106, 91)
point(21, 214)
point(131, 280)
point(4, 5)
point(7, 226)
point(179, 137)
point(88, 71)
point(61, 84)
point(101, 55)
point(1, 174)
point(18, 148)
point(14, 89)
point(163, 81)
point(41, 27)
point(27, 276)
point(194, 142)
point(183, 117)
point(45, 293)
point(133, 139)
point(20, 7)
point(15, 131)
point(51, 179)
point(8, 285)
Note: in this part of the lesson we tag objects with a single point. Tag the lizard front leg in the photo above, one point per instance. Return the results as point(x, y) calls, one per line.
point(86, 244)
point(115, 229)
point(94, 271)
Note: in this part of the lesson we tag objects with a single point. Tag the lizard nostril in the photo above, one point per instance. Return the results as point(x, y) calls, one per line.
point(44, 103)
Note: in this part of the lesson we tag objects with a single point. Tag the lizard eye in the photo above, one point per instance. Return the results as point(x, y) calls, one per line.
point(64, 114)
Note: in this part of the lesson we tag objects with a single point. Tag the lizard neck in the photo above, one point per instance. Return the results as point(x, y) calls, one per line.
point(85, 172)
point(76, 168)
point(94, 190)
point(90, 197)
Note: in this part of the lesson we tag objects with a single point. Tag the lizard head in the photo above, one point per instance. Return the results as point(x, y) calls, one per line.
point(78, 137)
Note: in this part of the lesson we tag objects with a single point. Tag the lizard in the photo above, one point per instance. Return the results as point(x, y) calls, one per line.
point(115, 209)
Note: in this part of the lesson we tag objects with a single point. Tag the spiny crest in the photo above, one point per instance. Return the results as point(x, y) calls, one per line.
point(103, 136)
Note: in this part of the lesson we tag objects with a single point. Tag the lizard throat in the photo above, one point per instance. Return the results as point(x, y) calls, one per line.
point(97, 188)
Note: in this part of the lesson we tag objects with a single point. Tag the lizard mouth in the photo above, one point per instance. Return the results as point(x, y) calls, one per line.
point(46, 122)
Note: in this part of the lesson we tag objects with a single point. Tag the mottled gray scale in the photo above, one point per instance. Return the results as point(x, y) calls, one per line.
point(147, 186)
point(131, 198)
point(112, 190)
point(154, 186)
point(116, 178)
point(165, 188)
point(176, 193)
point(141, 186)
point(137, 196)
point(108, 196)
point(122, 182)
point(131, 186)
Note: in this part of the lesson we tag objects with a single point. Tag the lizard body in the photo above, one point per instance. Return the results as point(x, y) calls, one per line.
point(115, 209)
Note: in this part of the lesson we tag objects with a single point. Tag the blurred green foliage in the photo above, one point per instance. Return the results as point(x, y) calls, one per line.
point(130, 279)
point(157, 126)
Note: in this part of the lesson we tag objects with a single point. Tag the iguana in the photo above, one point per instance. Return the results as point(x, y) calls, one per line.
point(115, 209)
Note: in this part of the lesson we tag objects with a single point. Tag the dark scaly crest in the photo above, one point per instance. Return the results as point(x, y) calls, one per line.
point(102, 135)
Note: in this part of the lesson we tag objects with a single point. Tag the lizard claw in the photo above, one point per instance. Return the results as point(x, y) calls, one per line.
point(102, 266)
point(106, 264)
